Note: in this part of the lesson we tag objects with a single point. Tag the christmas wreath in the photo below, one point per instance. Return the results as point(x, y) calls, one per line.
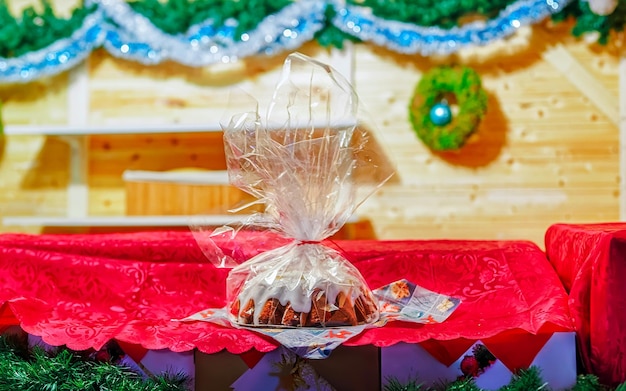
point(430, 112)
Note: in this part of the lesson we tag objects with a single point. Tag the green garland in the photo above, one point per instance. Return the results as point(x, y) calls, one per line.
point(449, 13)
point(446, 14)
point(27, 369)
point(528, 380)
point(588, 22)
point(462, 82)
point(330, 36)
point(36, 29)
point(176, 16)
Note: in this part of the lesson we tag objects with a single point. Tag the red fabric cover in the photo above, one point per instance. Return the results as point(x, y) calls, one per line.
point(82, 290)
point(590, 259)
point(7, 318)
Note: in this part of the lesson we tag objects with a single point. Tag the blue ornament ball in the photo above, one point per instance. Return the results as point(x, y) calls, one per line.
point(440, 114)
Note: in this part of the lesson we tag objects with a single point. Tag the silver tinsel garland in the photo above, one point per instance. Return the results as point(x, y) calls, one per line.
point(411, 39)
point(134, 37)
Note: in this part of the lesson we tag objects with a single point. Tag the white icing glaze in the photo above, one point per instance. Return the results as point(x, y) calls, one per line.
point(292, 274)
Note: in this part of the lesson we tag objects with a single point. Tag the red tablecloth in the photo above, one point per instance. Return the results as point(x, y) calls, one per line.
point(591, 262)
point(82, 291)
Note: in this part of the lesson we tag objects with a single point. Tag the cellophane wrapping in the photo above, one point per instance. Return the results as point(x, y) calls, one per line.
point(311, 161)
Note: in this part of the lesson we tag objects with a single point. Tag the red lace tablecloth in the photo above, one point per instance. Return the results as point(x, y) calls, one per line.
point(591, 261)
point(84, 290)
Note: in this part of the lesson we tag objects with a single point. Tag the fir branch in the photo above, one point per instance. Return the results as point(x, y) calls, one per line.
point(36, 29)
point(395, 385)
point(590, 383)
point(64, 370)
point(528, 379)
point(525, 380)
point(176, 16)
point(331, 36)
point(446, 14)
point(462, 385)
point(588, 22)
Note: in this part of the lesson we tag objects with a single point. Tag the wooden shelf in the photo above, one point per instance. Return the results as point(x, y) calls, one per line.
point(122, 221)
point(129, 221)
point(180, 177)
point(74, 130)
point(86, 130)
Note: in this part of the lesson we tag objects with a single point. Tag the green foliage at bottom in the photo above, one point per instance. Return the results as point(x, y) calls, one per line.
point(528, 380)
point(24, 369)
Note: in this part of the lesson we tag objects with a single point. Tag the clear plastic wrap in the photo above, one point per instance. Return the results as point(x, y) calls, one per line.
point(311, 164)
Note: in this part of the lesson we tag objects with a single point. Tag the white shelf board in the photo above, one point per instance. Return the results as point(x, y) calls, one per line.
point(179, 177)
point(77, 130)
point(129, 221)
point(74, 130)
point(122, 221)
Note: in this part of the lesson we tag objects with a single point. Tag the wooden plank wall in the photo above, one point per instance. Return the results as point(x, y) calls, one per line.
point(545, 152)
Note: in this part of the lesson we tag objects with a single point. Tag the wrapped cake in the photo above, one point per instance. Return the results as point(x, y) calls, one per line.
point(331, 293)
point(310, 163)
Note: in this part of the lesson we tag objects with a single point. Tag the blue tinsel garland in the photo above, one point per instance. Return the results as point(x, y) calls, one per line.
point(132, 36)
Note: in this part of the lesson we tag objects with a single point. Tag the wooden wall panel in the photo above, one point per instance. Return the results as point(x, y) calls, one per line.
point(544, 153)
point(124, 92)
point(33, 177)
point(42, 102)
